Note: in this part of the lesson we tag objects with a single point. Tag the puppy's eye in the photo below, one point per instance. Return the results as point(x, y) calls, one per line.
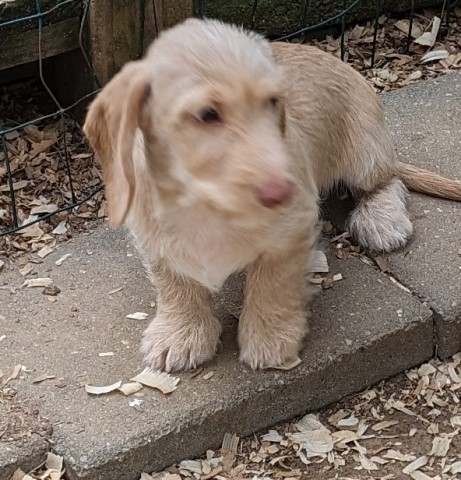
point(209, 115)
point(273, 102)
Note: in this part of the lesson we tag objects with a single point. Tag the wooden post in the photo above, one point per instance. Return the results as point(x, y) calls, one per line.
point(171, 12)
point(119, 31)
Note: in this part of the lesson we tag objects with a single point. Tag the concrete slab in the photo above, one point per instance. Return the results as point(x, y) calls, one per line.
point(426, 123)
point(363, 330)
point(24, 434)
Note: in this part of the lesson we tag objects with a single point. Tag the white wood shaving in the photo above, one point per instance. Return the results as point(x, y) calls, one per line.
point(454, 377)
point(289, 365)
point(379, 460)
point(367, 464)
point(455, 421)
point(455, 468)
point(400, 457)
point(137, 315)
point(115, 290)
point(313, 443)
point(61, 228)
point(44, 251)
point(159, 380)
point(384, 425)
point(319, 262)
point(426, 369)
point(38, 283)
point(130, 388)
point(420, 476)
point(415, 465)
point(54, 462)
point(62, 259)
point(350, 423)
point(272, 436)
point(94, 390)
point(399, 285)
point(230, 443)
point(440, 446)
point(194, 466)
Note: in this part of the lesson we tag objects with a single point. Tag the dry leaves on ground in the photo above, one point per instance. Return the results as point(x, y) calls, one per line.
point(433, 50)
point(40, 179)
point(51, 469)
point(405, 428)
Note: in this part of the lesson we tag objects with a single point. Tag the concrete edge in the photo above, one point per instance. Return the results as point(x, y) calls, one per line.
point(376, 362)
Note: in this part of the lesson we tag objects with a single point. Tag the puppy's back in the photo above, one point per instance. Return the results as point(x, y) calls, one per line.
point(333, 108)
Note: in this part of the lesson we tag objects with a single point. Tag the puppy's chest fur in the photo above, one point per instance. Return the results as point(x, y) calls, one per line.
point(206, 249)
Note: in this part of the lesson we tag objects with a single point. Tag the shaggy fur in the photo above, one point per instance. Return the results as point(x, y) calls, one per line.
point(215, 148)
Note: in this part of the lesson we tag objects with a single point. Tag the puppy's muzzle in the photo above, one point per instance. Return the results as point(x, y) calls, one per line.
point(275, 192)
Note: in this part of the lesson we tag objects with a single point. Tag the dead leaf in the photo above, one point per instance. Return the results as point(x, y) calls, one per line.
point(382, 263)
point(404, 26)
point(39, 209)
point(16, 186)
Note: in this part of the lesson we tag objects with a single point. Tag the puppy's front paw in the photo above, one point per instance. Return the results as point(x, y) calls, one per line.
point(172, 344)
point(268, 348)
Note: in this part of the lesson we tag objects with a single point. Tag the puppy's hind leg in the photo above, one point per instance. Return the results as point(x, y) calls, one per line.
point(380, 219)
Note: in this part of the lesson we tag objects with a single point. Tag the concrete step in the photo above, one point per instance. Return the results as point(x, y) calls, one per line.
point(364, 329)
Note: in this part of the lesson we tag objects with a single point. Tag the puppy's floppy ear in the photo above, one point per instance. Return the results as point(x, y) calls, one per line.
point(111, 124)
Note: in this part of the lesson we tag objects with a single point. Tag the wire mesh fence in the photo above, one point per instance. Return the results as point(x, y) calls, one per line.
point(12, 218)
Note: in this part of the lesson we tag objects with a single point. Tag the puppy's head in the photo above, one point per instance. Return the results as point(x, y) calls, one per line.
point(207, 98)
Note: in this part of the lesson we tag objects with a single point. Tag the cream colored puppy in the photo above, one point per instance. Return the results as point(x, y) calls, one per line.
point(215, 147)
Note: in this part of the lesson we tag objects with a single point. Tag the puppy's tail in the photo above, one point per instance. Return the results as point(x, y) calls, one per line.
point(423, 181)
